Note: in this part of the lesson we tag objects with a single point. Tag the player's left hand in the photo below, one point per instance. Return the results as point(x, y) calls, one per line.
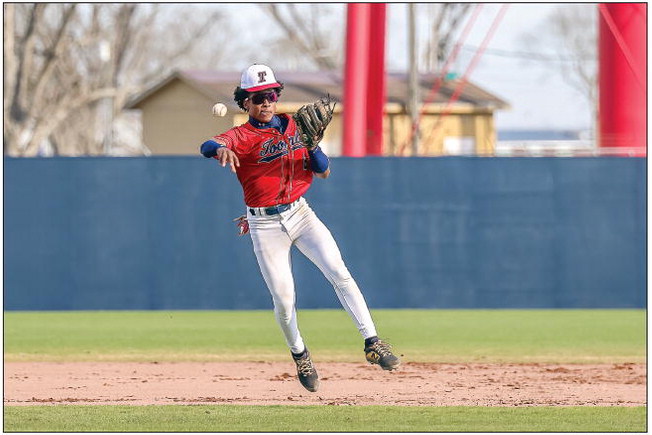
point(226, 156)
point(312, 120)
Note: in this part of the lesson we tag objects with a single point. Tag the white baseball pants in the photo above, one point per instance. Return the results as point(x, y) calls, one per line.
point(273, 237)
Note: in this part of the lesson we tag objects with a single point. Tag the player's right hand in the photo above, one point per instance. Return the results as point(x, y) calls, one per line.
point(226, 156)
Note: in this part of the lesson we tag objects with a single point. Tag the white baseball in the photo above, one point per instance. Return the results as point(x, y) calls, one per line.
point(219, 109)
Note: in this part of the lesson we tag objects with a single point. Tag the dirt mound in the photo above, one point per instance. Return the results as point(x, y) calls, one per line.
point(261, 383)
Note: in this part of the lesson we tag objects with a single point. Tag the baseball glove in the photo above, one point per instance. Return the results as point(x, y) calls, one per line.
point(312, 120)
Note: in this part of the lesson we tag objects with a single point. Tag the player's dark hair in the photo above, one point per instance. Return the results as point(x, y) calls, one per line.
point(239, 95)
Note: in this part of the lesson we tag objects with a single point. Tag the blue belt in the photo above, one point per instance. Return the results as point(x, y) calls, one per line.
point(277, 209)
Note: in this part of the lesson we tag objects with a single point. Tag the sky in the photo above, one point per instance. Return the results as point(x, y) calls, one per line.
point(538, 95)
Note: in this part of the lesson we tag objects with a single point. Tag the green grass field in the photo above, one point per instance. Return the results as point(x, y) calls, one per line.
point(558, 336)
point(553, 336)
point(240, 418)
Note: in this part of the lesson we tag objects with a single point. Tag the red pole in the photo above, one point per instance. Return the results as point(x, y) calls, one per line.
point(376, 79)
point(622, 114)
point(355, 80)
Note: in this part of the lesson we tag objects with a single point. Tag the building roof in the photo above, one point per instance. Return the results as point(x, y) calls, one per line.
point(303, 87)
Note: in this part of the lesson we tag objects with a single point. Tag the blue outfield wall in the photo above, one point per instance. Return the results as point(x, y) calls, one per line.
point(454, 232)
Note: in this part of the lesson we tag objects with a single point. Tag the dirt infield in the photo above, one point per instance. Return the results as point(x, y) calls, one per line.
point(260, 383)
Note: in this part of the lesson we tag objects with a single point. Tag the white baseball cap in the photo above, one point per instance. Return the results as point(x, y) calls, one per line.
point(258, 77)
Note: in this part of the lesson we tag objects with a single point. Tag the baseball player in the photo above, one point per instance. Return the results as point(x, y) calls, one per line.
point(275, 171)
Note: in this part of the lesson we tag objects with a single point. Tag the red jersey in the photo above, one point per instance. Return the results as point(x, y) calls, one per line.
point(274, 168)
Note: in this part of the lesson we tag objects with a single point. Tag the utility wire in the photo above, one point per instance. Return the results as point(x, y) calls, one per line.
point(529, 55)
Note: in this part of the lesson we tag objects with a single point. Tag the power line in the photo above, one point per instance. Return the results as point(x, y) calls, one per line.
point(529, 55)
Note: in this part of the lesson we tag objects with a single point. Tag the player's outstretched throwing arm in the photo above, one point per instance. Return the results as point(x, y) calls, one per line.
point(213, 148)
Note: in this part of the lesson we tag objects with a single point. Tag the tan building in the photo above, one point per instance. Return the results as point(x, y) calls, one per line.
point(177, 118)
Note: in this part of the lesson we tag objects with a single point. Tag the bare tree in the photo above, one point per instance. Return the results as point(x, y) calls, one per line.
point(444, 19)
point(316, 32)
point(70, 68)
point(30, 52)
point(309, 32)
point(572, 31)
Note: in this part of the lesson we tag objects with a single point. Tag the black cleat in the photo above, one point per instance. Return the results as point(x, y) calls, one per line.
point(306, 371)
point(380, 353)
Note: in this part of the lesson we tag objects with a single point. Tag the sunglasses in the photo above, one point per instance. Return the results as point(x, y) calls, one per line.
point(272, 97)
